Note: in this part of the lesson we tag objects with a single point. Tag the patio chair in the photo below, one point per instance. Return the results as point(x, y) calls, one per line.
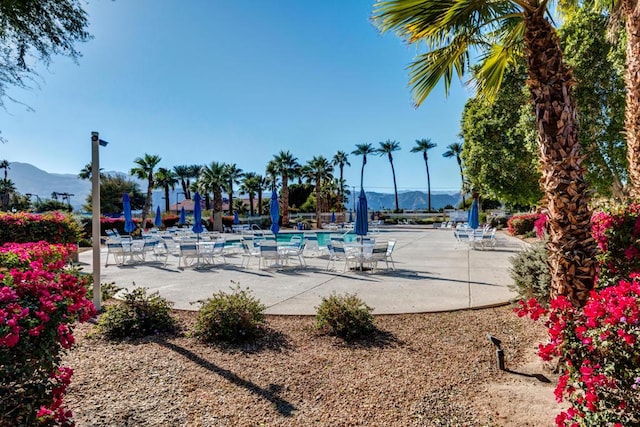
point(294, 252)
point(248, 253)
point(171, 247)
point(387, 257)
point(117, 252)
point(488, 239)
point(217, 251)
point(268, 250)
point(338, 253)
point(188, 254)
point(378, 253)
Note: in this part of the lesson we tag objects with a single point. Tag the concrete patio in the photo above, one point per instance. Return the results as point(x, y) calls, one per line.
point(433, 273)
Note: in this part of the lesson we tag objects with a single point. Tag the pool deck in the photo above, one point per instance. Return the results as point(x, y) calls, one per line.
point(433, 273)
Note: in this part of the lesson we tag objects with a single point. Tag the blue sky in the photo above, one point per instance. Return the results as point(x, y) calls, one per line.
point(234, 81)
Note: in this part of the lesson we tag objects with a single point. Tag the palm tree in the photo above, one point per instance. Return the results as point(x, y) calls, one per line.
point(250, 186)
point(498, 31)
point(340, 159)
point(455, 150)
point(233, 175)
point(166, 179)
point(271, 172)
point(85, 173)
point(363, 150)
point(183, 174)
point(4, 164)
point(318, 171)
point(145, 170)
point(387, 148)
point(422, 146)
point(212, 180)
point(287, 166)
point(193, 172)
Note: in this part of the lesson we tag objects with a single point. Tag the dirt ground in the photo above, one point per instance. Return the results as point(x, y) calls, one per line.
point(433, 369)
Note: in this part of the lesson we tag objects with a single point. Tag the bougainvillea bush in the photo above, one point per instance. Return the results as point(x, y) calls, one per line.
point(40, 301)
point(598, 352)
point(617, 233)
point(597, 346)
point(23, 227)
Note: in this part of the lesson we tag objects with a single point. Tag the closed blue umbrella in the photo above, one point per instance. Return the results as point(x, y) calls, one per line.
point(197, 214)
point(129, 226)
point(274, 211)
point(236, 219)
point(361, 227)
point(158, 219)
point(183, 217)
point(333, 217)
point(472, 217)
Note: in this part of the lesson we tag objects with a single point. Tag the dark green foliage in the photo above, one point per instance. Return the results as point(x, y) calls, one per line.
point(235, 317)
point(37, 30)
point(112, 187)
point(138, 315)
point(499, 156)
point(530, 274)
point(598, 66)
point(345, 316)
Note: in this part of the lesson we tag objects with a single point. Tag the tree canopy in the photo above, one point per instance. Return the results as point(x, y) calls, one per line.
point(34, 31)
point(499, 144)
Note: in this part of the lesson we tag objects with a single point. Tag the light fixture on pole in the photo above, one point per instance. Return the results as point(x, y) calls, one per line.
point(178, 204)
point(29, 195)
point(95, 207)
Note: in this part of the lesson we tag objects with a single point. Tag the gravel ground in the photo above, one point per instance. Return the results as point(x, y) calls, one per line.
point(433, 369)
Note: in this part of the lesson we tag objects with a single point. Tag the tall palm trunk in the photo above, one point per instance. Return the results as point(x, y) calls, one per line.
point(231, 198)
point(167, 202)
point(426, 163)
point(217, 210)
point(318, 206)
point(341, 189)
point(461, 180)
point(285, 200)
point(251, 198)
point(147, 202)
point(395, 187)
point(632, 81)
point(571, 247)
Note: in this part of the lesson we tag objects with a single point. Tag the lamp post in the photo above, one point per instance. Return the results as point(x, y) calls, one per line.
point(29, 195)
point(96, 142)
point(177, 194)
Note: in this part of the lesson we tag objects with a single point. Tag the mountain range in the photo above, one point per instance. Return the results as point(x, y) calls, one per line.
point(30, 179)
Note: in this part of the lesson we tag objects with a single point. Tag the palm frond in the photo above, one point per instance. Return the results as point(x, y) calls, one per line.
point(427, 70)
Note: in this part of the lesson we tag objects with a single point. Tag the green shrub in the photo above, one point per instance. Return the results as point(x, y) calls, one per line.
point(530, 274)
point(345, 316)
point(235, 317)
point(139, 314)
